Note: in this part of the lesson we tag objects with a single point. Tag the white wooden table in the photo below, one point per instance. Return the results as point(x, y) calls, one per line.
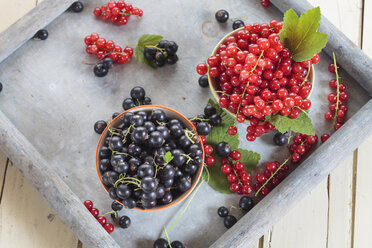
point(336, 214)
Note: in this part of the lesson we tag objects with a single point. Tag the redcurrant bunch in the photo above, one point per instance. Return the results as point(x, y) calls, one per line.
point(301, 144)
point(237, 175)
point(117, 12)
point(337, 109)
point(101, 219)
point(107, 52)
point(255, 77)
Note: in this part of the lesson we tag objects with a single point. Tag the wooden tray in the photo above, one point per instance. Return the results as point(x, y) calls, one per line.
point(51, 100)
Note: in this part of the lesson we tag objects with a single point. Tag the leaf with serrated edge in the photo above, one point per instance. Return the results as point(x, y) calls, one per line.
point(168, 157)
point(300, 35)
point(217, 180)
point(302, 124)
point(143, 41)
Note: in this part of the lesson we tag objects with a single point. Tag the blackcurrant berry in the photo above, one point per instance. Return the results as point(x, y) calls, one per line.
point(163, 44)
point(171, 48)
point(172, 59)
point(223, 149)
point(158, 115)
point(246, 203)
point(177, 244)
point(167, 173)
point(238, 24)
point(139, 135)
point(123, 192)
point(134, 150)
point(100, 71)
point(145, 170)
point(138, 93)
point(164, 131)
point(160, 191)
point(129, 203)
point(149, 53)
point(104, 165)
point(147, 197)
point(209, 110)
point(137, 120)
point(1, 87)
point(155, 139)
point(124, 221)
point(116, 206)
point(114, 115)
point(195, 150)
point(184, 142)
point(150, 126)
point(184, 184)
point(203, 128)
point(167, 198)
point(176, 131)
point(222, 211)
point(42, 34)
point(146, 101)
point(104, 152)
point(148, 184)
point(203, 81)
point(107, 62)
point(215, 120)
point(99, 126)
point(280, 139)
point(116, 144)
point(222, 16)
point(128, 103)
point(160, 243)
point(112, 193)
point(168, 182)
point(160, 57)
point(229, 221)
point(77, 6)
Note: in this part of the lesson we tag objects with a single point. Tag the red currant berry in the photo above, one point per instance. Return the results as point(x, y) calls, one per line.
point(226, 169)
point(271, 166)
point(234, 187)
point(332, 68)
point(328, 116)
point(246, 189)
point(232, 178)
point(210, 160)
point(232, 130)
point(245, 178)
point(102, 220)
point(97, 12)
point(301, 149)
point(238, 166)
point(203, 139)
point(324, 137)
point(260, 178)
point(235, 155)
point(88, 204)
point(295, 157)
point(109, 227)
point(94, 212)
point(208, 149)
point(202, 69)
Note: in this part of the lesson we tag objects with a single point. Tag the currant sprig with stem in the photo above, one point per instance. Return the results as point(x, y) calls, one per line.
point(307, 75)
point(337, 90)
point(190, 135)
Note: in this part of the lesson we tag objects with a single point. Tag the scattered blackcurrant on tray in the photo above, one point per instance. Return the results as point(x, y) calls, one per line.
point(42, 34)
point(222, 16)
point(203, 81)
point(163, 53)
point(160, 243)
point(176, 244)
point(246, 203)
point(223, 149)
point(222, 211)
point(280, 139)
point(124, 221)
point(229, 221)
point(238, 24)
point(116, 206)
point(77, 6)
point(99, 126)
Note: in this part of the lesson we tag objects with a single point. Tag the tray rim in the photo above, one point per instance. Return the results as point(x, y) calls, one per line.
point(248, 229)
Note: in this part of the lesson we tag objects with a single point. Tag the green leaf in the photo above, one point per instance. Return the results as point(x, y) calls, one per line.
point(302, 124)
point(143, 41)
point(217, 180)
point(168, 157)
point(300, 35)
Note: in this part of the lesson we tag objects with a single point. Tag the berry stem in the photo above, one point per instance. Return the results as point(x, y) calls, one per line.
point(233, 207)
point(271, 177)
point(111, 212)
point(337, 90)
point(199, 119)
point(188, 133)
point(166, 234)
point(307, 75)
point(188, 157)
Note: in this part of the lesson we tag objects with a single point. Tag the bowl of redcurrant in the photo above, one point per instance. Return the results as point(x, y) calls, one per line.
point(252, 75)
point(149, 158)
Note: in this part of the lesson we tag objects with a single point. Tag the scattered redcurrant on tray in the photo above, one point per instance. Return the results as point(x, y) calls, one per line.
point(117, 12)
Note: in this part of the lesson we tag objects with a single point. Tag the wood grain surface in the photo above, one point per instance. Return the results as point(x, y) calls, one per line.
point(335, 214)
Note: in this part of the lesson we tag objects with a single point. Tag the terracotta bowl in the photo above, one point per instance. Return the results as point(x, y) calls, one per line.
point(212, 82)
point(171, 113)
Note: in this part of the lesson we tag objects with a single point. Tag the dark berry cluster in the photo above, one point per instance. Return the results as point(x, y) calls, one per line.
point(117, 12)
point(245, 203)
point(163, 53)
point(206, 121)
point(235, 171)
point(133, 161)
point(107, 52)
point(109, 227)
point(162, 243)
point(255, 76)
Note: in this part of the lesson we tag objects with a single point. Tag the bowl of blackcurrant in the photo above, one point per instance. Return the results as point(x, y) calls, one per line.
point(149, 158)
point(251, 61)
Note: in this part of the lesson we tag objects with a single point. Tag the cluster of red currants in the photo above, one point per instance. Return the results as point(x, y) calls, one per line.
point(302, 144)
point(117, 12)
point(101, 219)
point(237, 175)
point(255, 76)
point(337, 109)
point(208, 149)
point(262, 178)
point(102, 49)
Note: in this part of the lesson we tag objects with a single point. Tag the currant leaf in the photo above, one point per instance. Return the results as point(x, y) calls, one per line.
point(302, 124)
point(300, 35)
point(143, 41)
point(168, 157)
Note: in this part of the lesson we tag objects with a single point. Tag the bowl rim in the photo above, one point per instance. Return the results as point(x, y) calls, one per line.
point(184, 195)
point(213, 90)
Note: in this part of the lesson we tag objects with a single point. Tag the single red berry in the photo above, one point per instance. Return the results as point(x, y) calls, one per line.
point(245, 178)
point(128, 50)
point(210, 160)
point(301, 149)
point(94, 212)
point(234, 187)
point(232, 130)
point(202, 69)
point(271, 166)
point(260, 178)
point(295, 157)
point(324, 137)
point(235, 155)
point(88, 204)
point(238, 166)
point(208, 149)
point(102, 220)
point(297, 139)
point(232, 178)
point(265, 191)
point(97, 12)
point(203, 139)
point(109, 227)
point(246, 189)
point(226, 169)
point(332, 68)
point(328, 116)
